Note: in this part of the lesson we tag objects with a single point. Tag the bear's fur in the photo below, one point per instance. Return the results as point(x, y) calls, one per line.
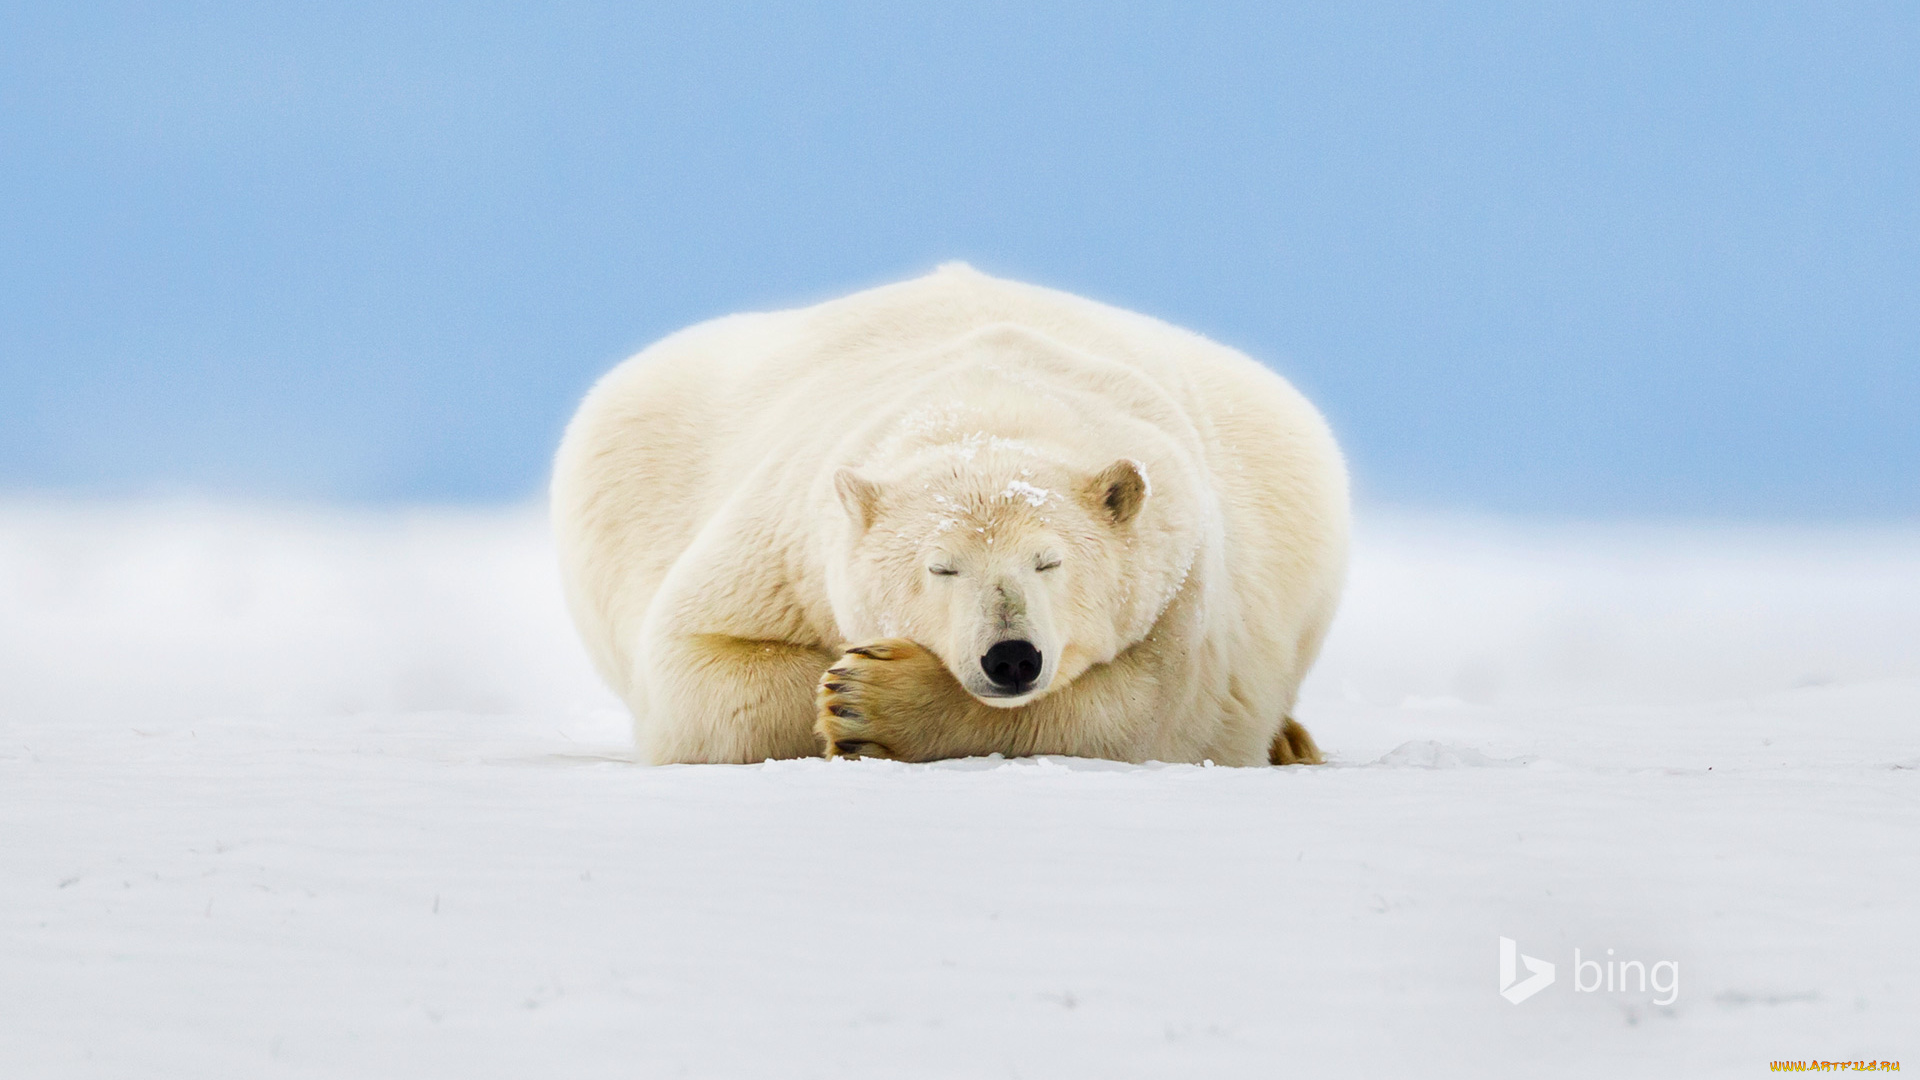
point(800, 532)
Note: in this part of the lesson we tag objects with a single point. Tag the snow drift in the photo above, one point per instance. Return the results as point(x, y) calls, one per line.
point(324, 794)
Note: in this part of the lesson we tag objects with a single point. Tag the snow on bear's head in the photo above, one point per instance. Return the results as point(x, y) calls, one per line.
point(1017, 570)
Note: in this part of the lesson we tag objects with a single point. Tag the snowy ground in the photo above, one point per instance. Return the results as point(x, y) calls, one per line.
point(292, 794)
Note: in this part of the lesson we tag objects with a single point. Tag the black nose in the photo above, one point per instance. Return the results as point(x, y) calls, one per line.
point(1012, 665)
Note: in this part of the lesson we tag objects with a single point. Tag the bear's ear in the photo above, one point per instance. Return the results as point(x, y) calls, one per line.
point(1119, 490)
point(858, 495)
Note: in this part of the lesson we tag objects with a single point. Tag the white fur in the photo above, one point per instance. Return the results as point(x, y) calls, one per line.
point(740, 502)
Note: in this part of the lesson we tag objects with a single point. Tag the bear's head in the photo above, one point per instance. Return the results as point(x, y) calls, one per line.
point(1018, 570)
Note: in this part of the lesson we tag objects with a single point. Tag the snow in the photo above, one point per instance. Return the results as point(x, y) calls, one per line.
point(1033, 495)
point(315, 794)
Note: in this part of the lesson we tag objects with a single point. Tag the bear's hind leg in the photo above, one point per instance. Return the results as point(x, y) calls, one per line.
point(1293, 746)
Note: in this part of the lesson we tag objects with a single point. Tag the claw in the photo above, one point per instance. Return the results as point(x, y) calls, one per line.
point(844, 712)
point(835, 687)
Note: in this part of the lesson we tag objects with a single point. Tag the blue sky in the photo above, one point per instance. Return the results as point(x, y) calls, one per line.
point(1606, 260)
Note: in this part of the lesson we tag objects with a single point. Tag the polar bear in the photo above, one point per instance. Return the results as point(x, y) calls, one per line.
point(954, 516)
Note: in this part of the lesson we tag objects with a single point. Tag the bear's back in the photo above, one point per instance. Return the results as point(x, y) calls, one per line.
point(667, 439)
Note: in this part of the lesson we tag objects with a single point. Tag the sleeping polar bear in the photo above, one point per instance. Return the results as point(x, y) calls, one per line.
point(953, 516)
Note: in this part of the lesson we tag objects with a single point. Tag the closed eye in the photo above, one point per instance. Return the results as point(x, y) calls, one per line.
point(942, 571)
point(1047, 564)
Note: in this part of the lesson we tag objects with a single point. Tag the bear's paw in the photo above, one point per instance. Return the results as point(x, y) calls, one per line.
point(885, 699)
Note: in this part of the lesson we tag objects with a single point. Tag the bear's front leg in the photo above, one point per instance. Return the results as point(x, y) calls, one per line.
point(894, 699)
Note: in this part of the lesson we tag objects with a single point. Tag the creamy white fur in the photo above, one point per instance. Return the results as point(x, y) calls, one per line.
point(742, 501)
